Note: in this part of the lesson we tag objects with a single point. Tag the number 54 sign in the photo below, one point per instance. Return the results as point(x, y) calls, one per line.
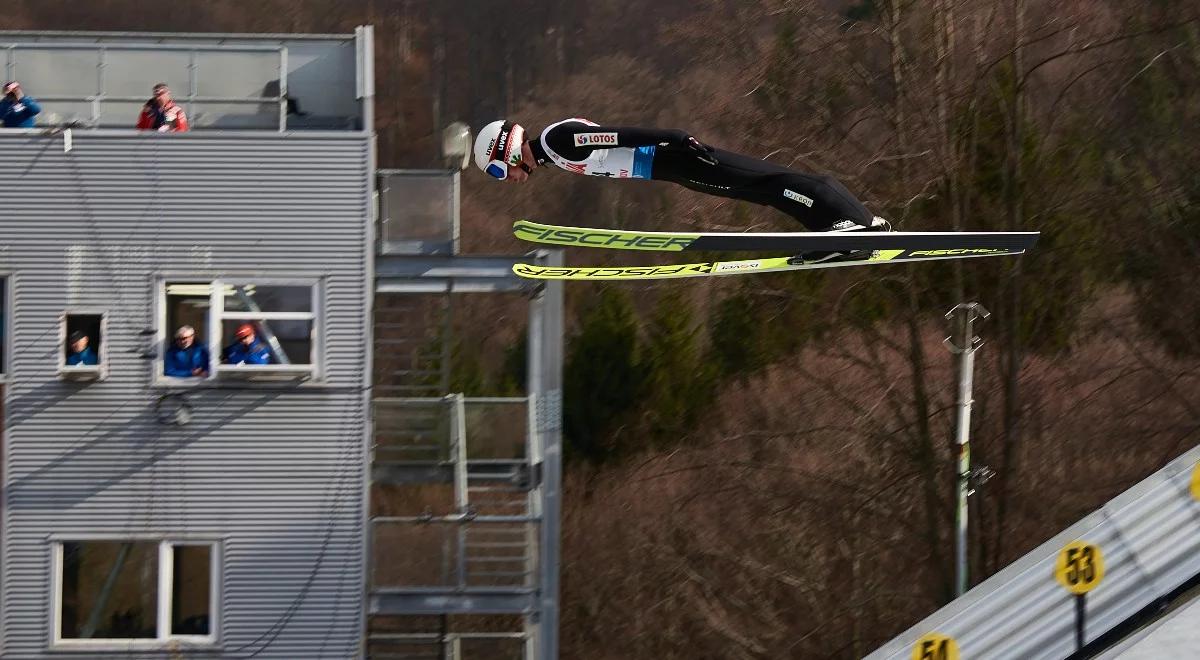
point(935, 646)
point(1080, 567)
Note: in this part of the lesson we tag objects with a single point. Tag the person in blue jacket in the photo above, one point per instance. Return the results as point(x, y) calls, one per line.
point(16, 109)
point(185, 358)
point(247, 349)
point(81, 353)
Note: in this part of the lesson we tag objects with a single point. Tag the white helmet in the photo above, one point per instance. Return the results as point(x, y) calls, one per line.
point(498, 147)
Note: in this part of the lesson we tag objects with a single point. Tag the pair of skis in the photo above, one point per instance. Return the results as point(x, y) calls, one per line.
point(870, 248)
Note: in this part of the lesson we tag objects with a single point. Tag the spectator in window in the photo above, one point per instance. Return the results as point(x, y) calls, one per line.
point(161, 113)
point(247, 349)
point(81, 353)
point(185, 358)
point(16, 109)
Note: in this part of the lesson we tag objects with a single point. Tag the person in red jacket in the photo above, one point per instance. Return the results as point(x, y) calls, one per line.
point(161, 113)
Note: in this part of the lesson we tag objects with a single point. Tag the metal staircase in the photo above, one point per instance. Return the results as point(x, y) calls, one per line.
point(464, 505)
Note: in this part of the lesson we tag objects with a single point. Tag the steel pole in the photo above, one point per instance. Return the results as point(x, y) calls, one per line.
point(965, 383)
point(966, 375)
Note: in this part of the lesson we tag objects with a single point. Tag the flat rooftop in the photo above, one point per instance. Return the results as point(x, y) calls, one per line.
point(269, 82)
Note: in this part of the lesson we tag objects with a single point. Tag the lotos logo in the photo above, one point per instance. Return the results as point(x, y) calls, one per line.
point(594, 139)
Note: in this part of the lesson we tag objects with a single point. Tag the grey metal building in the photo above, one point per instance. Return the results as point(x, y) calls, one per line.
point(157, 500)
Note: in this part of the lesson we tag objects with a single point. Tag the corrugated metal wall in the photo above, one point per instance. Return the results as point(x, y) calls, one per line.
point(276, 472)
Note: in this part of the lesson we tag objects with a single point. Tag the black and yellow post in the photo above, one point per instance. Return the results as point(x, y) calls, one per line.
point(1079, 568)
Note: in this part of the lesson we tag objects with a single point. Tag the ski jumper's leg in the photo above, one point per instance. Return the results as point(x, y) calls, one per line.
point(829, 204)
point(820, 203)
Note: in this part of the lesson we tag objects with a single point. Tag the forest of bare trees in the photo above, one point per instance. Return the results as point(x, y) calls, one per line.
point(764, 467)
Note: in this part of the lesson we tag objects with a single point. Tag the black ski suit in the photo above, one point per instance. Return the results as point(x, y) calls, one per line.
point(820, 202)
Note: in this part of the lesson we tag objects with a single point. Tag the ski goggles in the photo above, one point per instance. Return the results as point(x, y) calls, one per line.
point(507, 151)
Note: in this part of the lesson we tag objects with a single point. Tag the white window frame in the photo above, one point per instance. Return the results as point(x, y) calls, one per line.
point(6, 325)
point(163, 334)
point(80, 372)
point(217, 342)
point(166, 565)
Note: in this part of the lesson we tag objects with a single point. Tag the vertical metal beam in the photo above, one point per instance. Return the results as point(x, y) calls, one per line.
point(458, 430)
point(364, 73)
point(447, 325)
point(545, 376)
point(968, 312)
point(455, 212)
point(101, 64)
point(283, 89)
point(368, 382)
point(533, 498)
point(193, 80)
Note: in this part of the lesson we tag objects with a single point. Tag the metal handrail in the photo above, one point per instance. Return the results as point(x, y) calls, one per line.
point(155, 47)
point(438, 636)
point(189, 98)
point(175, 36)
point(457, 518)
point(416, 400)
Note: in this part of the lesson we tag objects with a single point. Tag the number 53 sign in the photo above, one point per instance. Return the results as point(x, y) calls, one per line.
point(1080, 567)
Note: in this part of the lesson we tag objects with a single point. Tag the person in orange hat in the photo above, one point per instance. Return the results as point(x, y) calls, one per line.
point(246, 348)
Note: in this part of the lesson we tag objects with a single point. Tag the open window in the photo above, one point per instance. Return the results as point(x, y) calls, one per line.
point(134, 593)
point(83, 354)
point(268, 330)
point(239, 329)
point(184, 336)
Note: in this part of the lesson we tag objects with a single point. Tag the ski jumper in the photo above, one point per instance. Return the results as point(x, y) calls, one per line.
point(819, 202)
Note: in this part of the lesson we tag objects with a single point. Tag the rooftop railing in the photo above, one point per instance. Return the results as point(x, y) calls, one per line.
point(223, 82)
point(105, 85)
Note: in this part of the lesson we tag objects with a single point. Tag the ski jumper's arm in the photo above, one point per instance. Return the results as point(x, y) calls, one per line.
point(575, 140)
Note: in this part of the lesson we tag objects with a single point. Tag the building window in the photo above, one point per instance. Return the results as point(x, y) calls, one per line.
point(83, 354)
point(267, 328)
point(186, 310)
point(126, 591)
point(240, 329)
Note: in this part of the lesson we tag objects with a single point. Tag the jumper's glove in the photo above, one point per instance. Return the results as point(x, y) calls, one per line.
point(700, 150)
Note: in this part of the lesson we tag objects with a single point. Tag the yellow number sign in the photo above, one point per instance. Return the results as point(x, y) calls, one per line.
point(935, 646)
point(1080, 567)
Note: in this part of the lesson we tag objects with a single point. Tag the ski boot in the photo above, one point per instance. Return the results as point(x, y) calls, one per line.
point(877, 224)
